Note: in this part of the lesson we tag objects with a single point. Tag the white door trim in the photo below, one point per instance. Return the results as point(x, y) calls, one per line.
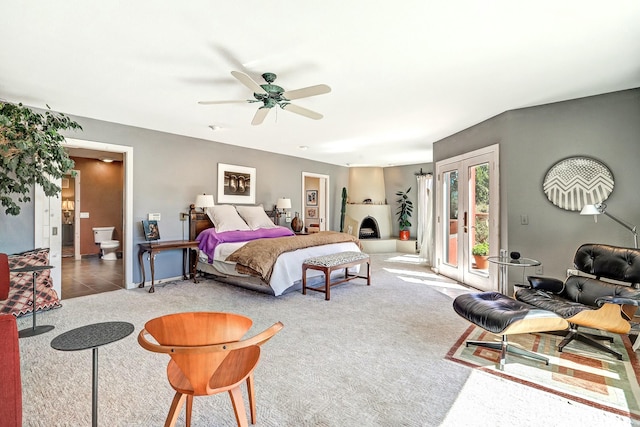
point(56, 244)
point(323, 199)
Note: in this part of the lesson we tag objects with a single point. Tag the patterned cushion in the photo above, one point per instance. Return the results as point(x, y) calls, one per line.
point(339, 258)
point(20, 301)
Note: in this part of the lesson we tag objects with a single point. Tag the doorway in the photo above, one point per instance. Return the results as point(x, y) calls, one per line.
point(49, 214)
point(467, 223)
point(315, 202)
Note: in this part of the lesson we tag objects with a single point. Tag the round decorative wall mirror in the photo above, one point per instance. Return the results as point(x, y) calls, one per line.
point(577, 181)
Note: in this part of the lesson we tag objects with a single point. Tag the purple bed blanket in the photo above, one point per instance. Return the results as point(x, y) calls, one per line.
point(209, 238)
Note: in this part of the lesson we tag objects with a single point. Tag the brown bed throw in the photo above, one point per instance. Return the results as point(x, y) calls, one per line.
point(257, 257)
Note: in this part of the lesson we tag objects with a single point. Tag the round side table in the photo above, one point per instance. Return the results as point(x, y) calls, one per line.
point(92, 336)
point(34, 330)
point(504, 263)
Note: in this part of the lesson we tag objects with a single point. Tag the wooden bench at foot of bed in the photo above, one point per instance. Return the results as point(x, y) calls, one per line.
point(329, 263)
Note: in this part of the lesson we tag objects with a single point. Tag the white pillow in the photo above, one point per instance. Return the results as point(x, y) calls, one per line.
point(255, 217)
point(226, 218)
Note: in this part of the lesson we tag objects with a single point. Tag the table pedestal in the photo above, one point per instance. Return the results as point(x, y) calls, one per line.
point(34, 330)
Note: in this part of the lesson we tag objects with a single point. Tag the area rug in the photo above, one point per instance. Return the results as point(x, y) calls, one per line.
point(578, 373)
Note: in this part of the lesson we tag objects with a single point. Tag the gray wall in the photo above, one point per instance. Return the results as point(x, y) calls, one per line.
point(605, 127)
point(169, 171)
point(400, 178)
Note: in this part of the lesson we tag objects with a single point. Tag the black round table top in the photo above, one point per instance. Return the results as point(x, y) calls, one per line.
point(31, 268)
point(92, 336)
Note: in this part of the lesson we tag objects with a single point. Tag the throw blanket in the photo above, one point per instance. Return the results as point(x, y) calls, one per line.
point(210, 238)
point(258, 256)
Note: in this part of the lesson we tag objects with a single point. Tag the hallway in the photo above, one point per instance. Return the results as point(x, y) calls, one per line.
point(91, 275)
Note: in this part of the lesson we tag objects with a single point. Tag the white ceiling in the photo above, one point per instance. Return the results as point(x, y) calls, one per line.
point(403, 74)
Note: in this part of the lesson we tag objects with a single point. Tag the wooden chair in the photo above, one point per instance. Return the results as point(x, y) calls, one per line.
point(207, 357)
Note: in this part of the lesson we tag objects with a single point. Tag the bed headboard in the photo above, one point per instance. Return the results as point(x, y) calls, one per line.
point(199, 221)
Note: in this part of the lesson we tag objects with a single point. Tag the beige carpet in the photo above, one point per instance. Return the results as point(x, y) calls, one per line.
point(372, 356)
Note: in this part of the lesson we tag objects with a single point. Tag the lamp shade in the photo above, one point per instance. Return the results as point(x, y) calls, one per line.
point(591, 210)
point(68, 205)
point(204, 201)
point(283, 203)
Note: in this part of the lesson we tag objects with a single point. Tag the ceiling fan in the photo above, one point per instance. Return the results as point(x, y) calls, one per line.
point(272, 95)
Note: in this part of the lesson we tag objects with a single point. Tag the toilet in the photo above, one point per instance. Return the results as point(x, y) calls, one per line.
point(108, 247)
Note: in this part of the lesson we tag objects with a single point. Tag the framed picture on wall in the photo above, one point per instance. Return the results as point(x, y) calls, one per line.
point(236, 184)
point(312, 212)
point(312, 197)
point(151, 230)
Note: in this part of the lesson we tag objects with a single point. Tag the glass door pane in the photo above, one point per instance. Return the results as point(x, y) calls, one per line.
point(479, 219)
point(450, 225)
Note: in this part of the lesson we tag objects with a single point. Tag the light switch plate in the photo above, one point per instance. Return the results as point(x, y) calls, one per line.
point(154, 217)
point(84, 214)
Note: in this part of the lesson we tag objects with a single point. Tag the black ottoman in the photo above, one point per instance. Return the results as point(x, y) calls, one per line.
point(501, 315)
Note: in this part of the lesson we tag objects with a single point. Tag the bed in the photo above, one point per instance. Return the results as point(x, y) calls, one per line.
point(241, 245)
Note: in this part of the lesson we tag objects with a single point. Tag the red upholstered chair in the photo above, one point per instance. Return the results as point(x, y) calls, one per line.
point(5, 281)
point(10, 382)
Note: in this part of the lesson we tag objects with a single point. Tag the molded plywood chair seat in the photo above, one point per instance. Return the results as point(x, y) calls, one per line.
point(207, 357)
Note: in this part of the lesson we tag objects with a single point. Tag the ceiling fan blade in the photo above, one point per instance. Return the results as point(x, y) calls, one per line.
point(260, 115)
point(221, 102)
point(306, 92)
point(302, 111)
point(248, 82)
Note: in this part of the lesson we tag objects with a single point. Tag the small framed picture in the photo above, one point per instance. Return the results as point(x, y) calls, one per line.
point(312, 197)
point(151, 230)
point(312, 212)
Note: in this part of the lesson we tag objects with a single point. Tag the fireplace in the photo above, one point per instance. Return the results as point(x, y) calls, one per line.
point(368, 221)
point(368, 216)
point(369, 229)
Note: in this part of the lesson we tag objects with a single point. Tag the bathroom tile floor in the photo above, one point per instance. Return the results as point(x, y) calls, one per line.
point(91, 275)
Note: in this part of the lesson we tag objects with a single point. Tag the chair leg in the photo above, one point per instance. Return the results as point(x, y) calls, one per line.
point(252, 398)
point(189, 408)
point(505, 348)
point(588, 339)
point(174, 411)
point(238, 406)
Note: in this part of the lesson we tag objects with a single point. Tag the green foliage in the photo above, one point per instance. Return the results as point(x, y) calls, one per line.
point(482, 187)
point(480, 249)
point(31, 153)
point(482, 230)
point(343, 209)
point(405, 209)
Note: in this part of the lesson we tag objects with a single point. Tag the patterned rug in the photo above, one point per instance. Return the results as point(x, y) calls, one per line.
point(580, 373)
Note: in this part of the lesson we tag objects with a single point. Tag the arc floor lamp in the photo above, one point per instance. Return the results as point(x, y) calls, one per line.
point(601, 208)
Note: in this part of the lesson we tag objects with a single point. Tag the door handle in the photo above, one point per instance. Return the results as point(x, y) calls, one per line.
point(465, 223)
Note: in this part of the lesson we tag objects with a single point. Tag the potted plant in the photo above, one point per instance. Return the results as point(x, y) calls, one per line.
point(404, 212)
point(31, 153)
point(480, 252)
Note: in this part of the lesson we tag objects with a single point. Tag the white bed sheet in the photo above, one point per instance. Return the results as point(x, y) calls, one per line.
point(288, 267)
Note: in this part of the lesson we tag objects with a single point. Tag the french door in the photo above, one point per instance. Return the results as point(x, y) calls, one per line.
point(468, 209)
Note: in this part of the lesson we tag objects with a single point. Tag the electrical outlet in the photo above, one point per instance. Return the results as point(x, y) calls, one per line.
point(539, 269)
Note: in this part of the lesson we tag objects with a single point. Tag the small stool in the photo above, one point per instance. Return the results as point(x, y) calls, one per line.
point(329, 263)
point(501, 315)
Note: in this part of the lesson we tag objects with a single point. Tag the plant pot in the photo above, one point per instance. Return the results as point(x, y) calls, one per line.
point(404, 234)
point(481, 262)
